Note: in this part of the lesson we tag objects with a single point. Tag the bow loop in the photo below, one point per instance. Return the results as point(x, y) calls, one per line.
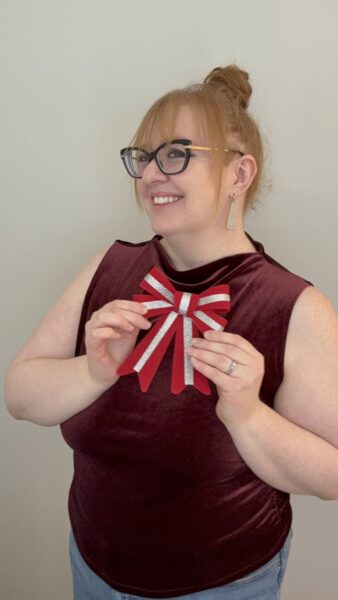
point(182, 316)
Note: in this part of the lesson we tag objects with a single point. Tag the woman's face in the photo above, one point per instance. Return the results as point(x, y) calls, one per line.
point(195, 207)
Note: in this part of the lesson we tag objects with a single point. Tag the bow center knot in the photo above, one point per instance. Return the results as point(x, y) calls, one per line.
point(185, 303)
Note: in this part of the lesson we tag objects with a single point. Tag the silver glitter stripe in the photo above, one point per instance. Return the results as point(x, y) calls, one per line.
point(214, 298)
point(157, 304)
point(208, 320)
point(187, 341)
point(155, 342)
point(159, 287)
point(184, 304)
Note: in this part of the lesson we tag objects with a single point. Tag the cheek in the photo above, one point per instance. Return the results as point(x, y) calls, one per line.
point(206, 194)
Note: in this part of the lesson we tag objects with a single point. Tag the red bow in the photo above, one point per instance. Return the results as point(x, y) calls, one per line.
point(184, 315)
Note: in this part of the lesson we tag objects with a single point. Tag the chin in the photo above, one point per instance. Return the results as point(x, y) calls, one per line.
point(164, 231)
point(165, 228)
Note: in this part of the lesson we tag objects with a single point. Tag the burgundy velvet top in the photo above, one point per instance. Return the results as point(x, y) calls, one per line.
point(161, 503)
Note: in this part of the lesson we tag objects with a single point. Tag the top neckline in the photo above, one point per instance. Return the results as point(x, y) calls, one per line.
point(209, 273)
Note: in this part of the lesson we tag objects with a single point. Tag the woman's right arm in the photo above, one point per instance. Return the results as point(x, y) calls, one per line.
point(45, 383)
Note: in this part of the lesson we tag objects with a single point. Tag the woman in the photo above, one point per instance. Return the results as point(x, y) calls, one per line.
point(187, 494)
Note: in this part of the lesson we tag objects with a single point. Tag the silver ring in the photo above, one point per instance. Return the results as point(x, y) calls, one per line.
point(231, 368)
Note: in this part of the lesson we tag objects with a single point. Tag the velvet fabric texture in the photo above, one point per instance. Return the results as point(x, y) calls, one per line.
point(161, 503)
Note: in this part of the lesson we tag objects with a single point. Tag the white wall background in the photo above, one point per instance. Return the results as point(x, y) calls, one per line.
point(76, 77)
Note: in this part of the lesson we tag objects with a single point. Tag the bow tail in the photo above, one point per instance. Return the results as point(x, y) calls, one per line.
point(183, 373)
point(146, 357)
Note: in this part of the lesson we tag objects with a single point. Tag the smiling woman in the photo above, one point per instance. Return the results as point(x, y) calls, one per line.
point(195, 407)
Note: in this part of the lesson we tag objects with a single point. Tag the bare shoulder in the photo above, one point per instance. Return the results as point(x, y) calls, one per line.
point(308, 394)
point(55, 335)
point(315, 309)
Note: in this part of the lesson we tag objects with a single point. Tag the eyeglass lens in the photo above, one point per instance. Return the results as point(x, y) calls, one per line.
point(171, 159)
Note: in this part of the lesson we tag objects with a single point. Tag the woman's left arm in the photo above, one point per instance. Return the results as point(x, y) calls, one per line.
point(293, 447)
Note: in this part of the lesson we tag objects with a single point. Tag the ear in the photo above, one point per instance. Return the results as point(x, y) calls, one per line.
point(244, 171)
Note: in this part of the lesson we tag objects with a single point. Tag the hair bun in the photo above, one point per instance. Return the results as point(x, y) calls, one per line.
point(233, 82)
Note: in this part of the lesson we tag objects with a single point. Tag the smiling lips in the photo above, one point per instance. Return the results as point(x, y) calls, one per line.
point(165, 199)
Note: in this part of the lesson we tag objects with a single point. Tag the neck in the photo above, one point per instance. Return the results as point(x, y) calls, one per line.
point(190, 250)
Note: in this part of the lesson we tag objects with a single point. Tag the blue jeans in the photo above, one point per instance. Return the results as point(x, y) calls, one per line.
point(263, 584)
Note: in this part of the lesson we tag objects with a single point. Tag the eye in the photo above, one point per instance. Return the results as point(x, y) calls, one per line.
point(175, 153)
point(137, 155)
point(143, 158)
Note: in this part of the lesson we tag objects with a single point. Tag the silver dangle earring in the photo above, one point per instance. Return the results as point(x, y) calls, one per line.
point(231, 222)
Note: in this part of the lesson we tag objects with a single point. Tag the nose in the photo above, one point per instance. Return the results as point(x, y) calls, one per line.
point(152, 173)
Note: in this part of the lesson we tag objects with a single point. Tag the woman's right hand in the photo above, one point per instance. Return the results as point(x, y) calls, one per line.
point(111, 335)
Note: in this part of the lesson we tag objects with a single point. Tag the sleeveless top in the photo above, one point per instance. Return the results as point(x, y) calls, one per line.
point(161, 503)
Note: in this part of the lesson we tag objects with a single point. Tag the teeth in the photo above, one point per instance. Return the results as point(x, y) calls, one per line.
point(165, 199)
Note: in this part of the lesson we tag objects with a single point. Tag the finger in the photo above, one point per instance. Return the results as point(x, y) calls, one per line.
point(217, 377)
point(218, 361)
point(232, 352)
point(124, 319)
point(233, 339)
point(105, 333)
point(130, 305)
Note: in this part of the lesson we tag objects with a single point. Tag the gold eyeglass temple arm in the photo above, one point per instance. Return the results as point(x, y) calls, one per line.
point(205, 148)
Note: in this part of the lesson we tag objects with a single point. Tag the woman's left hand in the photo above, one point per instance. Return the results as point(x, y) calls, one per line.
point(237, 370)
